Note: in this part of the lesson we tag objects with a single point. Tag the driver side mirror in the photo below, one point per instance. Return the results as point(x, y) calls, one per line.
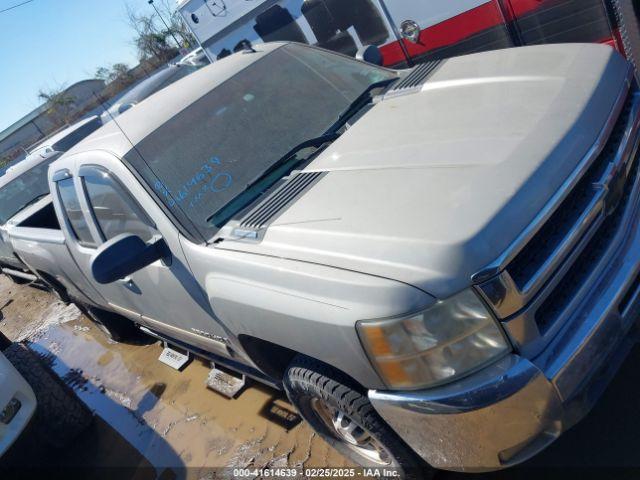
point(123, 255)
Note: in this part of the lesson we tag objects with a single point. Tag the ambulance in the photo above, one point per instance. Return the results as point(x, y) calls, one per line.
point(409, 31)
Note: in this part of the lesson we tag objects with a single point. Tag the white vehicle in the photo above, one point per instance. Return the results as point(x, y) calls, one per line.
point(30, 398)
point(195, 58)
point(17, 404)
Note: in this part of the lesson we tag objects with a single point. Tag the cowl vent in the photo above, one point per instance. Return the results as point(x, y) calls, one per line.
point(267, 211)
point(416, 78)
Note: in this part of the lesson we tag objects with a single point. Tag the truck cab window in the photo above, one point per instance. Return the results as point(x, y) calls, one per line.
point(113, 208)
point(71, 204)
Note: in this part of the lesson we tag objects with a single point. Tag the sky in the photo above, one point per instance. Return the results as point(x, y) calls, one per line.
point(49, 43)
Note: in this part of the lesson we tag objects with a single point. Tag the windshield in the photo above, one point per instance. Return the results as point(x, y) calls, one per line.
point(206, 156)
point(23, 190)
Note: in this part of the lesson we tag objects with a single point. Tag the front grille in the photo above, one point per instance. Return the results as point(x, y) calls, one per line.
point(532, 258)
point(586, 263)
point(554, 272)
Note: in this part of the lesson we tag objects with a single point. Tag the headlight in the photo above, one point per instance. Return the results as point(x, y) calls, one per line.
point(448, 340)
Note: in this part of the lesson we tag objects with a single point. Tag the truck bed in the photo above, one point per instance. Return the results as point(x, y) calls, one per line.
point(39, 242)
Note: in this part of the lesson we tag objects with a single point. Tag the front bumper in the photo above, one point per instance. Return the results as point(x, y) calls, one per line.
point(513, 409)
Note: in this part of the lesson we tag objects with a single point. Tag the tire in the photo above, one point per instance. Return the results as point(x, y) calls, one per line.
point(55, 287)
point(313, 386)
point(114, 326)
point(4, 342)
point(60, 416)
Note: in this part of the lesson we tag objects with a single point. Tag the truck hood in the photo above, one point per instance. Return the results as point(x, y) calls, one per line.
point(429, 187)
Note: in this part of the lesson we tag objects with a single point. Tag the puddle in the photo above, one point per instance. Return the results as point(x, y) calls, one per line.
point(170, 418)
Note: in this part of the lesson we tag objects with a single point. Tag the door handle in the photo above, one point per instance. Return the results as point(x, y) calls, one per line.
point(129, 284)
point(410, 30)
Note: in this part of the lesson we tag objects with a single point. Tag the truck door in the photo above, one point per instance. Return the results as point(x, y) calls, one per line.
point(435, 29)
point(559, 21)
point(97, 206)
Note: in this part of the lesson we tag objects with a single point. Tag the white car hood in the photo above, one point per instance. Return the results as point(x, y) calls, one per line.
point(430, 187)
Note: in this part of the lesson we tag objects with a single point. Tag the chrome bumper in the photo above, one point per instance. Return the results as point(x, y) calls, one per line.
point(513, 409)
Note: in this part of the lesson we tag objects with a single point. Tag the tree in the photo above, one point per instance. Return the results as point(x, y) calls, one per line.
point(177, 25)
point(60, 104)
point(152, 40)
point(103, 73)
point(118, 72)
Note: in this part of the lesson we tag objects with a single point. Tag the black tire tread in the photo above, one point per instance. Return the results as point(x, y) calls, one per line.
point(306, 377)
point(60, 416)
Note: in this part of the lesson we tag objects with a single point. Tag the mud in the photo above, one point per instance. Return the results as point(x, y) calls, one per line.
point(169, 418)
point(155, 422)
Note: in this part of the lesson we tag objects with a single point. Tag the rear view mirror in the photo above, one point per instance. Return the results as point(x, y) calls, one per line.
point(123, 255)
point(370, 54)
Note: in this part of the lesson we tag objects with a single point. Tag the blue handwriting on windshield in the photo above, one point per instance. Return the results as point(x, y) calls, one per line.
point(206, 180)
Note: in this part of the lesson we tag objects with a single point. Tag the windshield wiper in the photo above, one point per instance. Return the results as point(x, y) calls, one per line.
point(285, 163)
point(363, 99)
point(312, 142)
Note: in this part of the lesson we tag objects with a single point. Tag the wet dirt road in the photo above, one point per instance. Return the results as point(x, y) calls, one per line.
point(155, 422)
point(151, 418)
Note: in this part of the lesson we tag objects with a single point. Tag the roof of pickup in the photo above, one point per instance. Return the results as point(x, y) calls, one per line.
point(135, 124)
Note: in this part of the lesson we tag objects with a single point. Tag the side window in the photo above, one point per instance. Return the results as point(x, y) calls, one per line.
point(77, 221)
point(114, 209)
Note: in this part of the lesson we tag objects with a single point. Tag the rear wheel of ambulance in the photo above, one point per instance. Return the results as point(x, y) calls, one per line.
point(340, 412)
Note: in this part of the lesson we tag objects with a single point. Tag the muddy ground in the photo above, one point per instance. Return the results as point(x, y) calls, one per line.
point(152, 421)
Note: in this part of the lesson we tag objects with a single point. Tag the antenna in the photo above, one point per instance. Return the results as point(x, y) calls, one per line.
point(113, 119)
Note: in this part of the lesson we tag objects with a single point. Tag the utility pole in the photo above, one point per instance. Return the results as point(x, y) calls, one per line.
point(150, 2)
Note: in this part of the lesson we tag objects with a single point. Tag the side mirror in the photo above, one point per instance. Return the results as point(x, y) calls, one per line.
point(370, 54)
point(123, 255)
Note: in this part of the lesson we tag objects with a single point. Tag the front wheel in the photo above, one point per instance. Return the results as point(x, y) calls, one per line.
point(337, 409)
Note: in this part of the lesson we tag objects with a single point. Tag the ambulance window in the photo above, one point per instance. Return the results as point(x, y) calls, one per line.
point(277, 24)
point(335, 23)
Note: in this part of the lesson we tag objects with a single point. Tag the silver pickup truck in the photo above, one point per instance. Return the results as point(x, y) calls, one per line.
point(440, 266)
